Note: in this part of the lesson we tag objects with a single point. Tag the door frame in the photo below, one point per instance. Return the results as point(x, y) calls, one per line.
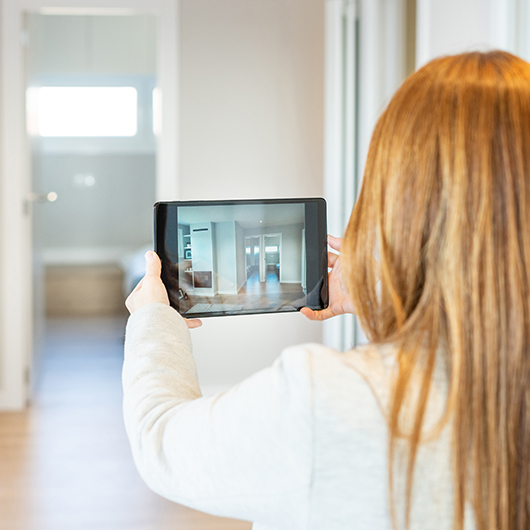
point(16, 298)
point(365, 60)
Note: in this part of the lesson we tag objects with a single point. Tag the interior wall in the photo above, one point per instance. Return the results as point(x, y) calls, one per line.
point(454, 26)
point(226, 264)
point(252, 79)
point(251, 98)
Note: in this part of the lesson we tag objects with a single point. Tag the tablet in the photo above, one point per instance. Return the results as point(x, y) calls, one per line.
point(241, 257)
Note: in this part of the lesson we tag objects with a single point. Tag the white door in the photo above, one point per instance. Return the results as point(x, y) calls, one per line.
point(17, 283)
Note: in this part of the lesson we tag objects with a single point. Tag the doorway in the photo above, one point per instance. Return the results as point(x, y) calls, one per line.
point(20, 201)
point(91, 82)
point(263, 259)
point(272, 246)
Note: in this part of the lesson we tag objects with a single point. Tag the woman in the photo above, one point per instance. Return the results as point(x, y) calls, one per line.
point(427, 427)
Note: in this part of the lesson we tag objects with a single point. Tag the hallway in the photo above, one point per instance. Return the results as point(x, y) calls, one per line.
point(66, 463)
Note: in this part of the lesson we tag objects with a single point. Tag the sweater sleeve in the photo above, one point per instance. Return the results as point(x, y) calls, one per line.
point(245, 453)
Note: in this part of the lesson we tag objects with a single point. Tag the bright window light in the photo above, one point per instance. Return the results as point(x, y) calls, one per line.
point(87, 111)
point(271, 248)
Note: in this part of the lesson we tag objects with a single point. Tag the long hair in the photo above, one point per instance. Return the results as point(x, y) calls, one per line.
point(445, 210)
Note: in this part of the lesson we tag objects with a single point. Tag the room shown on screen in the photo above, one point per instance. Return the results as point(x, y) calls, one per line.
point(241, 257)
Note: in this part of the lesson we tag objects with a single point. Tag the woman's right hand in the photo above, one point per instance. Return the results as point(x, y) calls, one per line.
point(339, 300)
point(151, 290)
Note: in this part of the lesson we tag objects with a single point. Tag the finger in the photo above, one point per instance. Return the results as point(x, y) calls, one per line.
point(332, 259)
point(153, 267)
point(129, 304)
point(334, 242)
point(308, 313)
point(193, 323)
point(316, 315)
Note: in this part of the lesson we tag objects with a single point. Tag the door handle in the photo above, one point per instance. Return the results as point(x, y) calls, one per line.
point(42, 197)
point(33, 198)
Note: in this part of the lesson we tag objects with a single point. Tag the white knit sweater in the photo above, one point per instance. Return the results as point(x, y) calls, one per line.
point(299, 445)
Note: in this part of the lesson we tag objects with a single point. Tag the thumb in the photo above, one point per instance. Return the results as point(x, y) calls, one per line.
point(153, 266)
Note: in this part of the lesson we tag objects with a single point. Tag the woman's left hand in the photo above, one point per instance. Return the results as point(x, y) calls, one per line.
point(339, 300)
point(151, 290)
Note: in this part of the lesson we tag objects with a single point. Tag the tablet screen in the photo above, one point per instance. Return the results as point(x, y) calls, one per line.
point(243, 257)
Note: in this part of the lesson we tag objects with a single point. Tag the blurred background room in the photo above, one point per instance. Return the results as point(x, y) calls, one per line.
point(107, 107)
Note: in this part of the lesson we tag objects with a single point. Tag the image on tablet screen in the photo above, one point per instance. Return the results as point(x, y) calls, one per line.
point(238, 258)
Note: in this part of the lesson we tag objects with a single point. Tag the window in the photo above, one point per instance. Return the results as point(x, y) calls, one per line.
point(273, 248)
point(87, 111)
point(94, 113)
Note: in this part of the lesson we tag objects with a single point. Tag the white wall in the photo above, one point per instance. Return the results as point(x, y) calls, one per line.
point(251, 126)
point(202, 255)
point(251, 98)
point(455, 26)
point(226, 265)
point(291, 257)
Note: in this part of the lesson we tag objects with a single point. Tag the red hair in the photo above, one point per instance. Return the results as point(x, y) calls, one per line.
point(445, 205)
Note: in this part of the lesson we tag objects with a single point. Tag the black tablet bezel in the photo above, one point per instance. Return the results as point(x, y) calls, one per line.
point(316, 245)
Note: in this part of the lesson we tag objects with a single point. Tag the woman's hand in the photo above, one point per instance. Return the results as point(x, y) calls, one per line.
point(339, 300)
point(151, 290)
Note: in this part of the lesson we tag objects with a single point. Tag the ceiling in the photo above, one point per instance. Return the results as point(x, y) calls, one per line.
point(246, 215)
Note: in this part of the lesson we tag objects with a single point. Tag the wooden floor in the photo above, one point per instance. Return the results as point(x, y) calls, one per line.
point(254, 295)
point(65, 463)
